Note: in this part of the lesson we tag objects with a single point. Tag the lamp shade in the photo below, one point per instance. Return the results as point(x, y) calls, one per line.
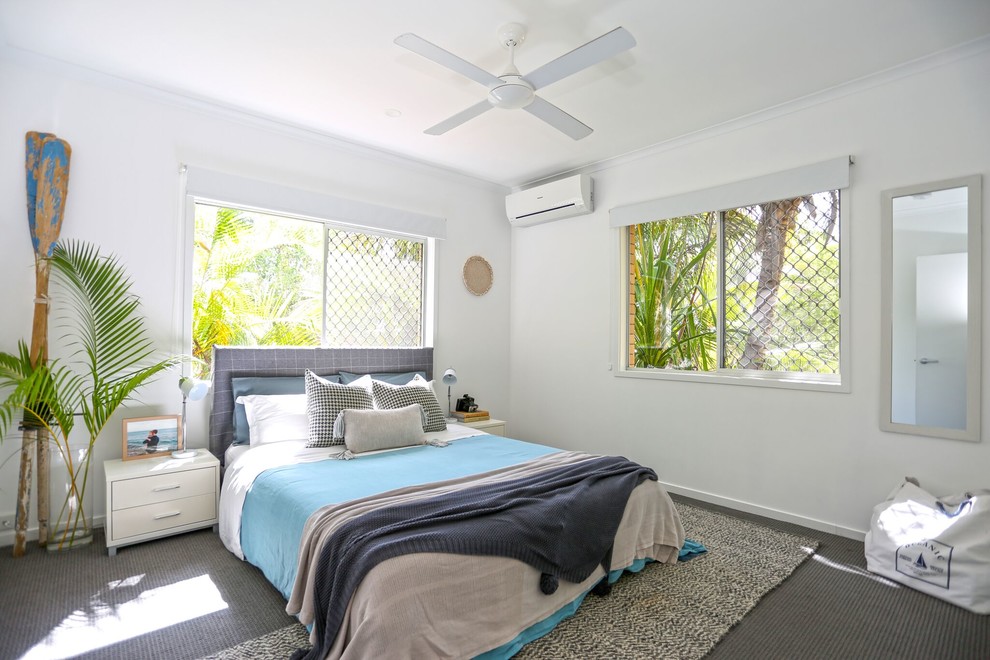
point(193, 388)
point(449, 377)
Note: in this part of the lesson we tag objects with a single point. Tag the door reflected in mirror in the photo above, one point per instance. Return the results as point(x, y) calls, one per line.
point(928, 352)
point(932, 309)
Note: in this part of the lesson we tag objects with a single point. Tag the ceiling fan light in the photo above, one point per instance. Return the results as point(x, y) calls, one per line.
point(511, 94)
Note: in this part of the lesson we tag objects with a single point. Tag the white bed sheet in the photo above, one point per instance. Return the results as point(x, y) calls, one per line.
point(244, 464)
point(233, 453)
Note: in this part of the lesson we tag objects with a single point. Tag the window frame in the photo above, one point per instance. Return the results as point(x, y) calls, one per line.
point(621, 336)
point(224, 190)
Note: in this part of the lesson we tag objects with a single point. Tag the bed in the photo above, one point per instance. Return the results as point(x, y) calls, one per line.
point(294, 513)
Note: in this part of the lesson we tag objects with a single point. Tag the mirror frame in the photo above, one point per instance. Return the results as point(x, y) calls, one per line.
point(974, 249)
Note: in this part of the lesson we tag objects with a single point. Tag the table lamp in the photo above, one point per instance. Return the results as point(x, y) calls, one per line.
point(449, 378)
point(192, 389)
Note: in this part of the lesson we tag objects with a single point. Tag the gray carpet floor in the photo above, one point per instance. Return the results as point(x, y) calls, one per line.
point(829, 608)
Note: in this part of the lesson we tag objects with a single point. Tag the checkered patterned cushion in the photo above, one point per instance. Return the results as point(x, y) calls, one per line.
point(324, 401)
point(390, 396)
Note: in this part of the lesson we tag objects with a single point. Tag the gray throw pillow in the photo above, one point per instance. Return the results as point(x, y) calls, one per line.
point(368, 430)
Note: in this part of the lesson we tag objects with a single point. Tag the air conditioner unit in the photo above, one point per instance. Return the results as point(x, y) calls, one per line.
point(551, 201)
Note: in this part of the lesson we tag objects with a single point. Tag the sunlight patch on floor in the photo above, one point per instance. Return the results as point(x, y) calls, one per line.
point(104, 624)
point(855, 570)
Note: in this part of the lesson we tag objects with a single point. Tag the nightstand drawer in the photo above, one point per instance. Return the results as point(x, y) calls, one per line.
point(164, 515)
point(492, 426)
point(129, 493)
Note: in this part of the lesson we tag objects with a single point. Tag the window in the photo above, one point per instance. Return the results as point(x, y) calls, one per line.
point(745, 293)
point(265, 279)
point(374, 289)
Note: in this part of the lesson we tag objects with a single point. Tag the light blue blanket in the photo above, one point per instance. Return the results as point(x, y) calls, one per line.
point(281, 499)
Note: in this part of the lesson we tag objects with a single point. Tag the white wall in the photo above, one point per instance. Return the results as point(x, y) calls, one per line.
point(123, 195)
point(807, 455)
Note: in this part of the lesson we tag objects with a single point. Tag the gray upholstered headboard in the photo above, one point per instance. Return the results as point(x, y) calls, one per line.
point(234, 362)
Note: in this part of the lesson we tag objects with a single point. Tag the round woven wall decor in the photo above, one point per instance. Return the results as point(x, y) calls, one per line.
point(477, 275)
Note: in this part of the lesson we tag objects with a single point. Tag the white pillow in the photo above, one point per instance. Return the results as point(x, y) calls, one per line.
point(366, 381)
point(275, 417)
point(363, 382)
point(419, 381)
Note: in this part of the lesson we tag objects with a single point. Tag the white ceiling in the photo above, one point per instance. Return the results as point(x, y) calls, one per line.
point(331, 67)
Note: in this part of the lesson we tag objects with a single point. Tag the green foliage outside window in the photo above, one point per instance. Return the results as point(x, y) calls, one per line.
point(675, 308)
point(780, 283)
point(256, 281)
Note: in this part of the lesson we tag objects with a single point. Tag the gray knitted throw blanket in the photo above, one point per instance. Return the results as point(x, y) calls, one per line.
point(561, 521)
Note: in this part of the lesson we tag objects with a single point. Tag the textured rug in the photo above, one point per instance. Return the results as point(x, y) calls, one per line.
point(666, 611)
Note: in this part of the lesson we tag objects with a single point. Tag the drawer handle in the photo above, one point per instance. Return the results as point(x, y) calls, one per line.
point(161, 488)
point(170, 514)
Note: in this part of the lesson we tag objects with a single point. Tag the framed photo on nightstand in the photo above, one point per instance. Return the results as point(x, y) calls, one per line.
point(148, 437)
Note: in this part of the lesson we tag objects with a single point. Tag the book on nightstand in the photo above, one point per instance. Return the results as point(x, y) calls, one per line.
point(476, 416)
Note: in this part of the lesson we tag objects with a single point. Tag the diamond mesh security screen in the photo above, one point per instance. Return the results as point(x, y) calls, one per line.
point(374, 290)
point(781, 286)
point(258, 281)
point(779, 274)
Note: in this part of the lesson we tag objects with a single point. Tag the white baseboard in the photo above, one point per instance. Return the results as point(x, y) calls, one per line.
point(766, 512)
point(7, 535)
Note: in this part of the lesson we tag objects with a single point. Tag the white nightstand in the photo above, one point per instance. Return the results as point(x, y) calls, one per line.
point(155, 497)
point(493, 426)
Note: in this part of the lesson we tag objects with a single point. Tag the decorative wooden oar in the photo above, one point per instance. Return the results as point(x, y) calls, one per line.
point(47, 167)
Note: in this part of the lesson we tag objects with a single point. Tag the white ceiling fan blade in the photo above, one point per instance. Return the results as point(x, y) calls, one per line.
point(442, 57)
point(595, 51)
point(557, 118)
point(459, 118)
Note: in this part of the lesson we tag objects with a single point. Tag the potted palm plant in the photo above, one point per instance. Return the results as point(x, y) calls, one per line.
point(107, 357)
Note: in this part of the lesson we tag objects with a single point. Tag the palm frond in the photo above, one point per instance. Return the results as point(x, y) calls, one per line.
point(107, 356)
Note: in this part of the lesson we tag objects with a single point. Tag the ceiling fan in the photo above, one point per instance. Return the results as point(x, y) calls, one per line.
point(511, 90)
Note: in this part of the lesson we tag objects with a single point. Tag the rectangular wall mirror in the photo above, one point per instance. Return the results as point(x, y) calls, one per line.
point(931, 270)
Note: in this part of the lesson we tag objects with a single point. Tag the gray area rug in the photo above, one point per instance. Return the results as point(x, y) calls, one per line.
point(668, 611)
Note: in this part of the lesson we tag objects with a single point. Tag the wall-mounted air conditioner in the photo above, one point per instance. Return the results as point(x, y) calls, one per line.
point(551, 201)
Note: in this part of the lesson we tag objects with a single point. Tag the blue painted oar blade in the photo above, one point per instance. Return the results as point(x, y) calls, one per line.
point(32, 166)
point(53, 184)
